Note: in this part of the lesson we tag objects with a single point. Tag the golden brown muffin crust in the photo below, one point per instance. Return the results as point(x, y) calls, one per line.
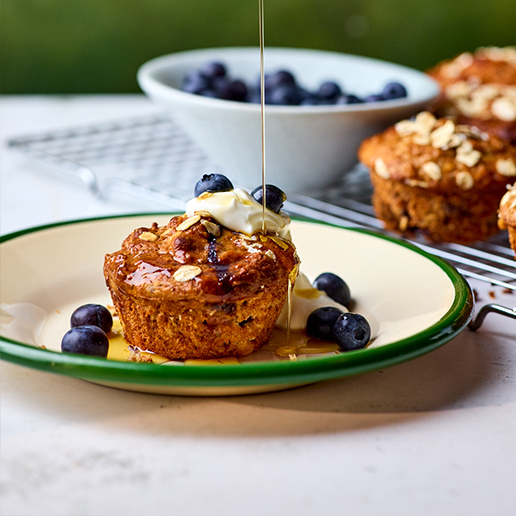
point(507, 211)
point(485, 65)
point(438, 155)
point(194, 289)
point(480, 89)
point(155, 262)
point(439, 178)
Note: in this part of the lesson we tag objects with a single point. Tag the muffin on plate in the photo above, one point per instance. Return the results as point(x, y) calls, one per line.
point(480, 89)
point(443, 179)
point(507, 215)
point(197, 288)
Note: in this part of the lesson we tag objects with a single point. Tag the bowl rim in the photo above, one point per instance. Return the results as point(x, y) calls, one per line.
point(150, 84)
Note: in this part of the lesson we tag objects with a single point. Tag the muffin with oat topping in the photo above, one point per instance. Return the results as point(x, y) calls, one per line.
point(197, 289)
point(507, 215)
point(480, 89)
point(443, 179)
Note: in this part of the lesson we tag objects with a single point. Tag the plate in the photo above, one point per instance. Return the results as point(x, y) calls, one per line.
point(416, 302)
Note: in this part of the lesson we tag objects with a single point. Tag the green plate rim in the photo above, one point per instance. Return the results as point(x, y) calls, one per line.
point(254, 373)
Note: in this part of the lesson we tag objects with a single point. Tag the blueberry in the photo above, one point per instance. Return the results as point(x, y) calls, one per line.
point(212, 183)
point(310, 101)
point(329, 91)
point(92, 315)
point(351, 331)
point(280, 78)
point(286, 96)
point(394, 90)
point(266, 80)
point(274, 197)
point(213, 69)
point(351, 99)
point(237, 90)
point(209, 93)
point(374, 98)
point(194, 82)
point(321, 321)
point(334, 287)
point(87, 340)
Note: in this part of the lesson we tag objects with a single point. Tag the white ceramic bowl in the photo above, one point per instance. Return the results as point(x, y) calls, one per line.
point(307, 147)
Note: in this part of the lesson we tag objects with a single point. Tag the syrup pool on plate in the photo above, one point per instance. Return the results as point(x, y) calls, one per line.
point(278, 347)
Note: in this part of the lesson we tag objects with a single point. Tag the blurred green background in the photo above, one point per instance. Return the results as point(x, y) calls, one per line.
point(96, 46)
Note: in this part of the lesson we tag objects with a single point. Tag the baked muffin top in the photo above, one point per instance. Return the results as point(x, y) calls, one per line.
point(485, 65)
point(439, 155)
point(479, 85)
point(193, 256)
point(507, 213)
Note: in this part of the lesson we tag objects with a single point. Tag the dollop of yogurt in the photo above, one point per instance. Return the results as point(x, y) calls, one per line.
point(239, 211)
point(305, 299)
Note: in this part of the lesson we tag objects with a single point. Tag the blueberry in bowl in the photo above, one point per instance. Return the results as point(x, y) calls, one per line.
point(311, 139)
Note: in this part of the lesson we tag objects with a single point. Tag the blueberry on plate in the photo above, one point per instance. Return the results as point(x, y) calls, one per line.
point(351, 331)
point(212, 183)
point(92, 315)
point(86, 340)
point(321, 321)
point(274, 197)
point(394, 90)
point(334, 286)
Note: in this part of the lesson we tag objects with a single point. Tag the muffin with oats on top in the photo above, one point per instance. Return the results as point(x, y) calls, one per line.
point(479, 89)
point(439, 178)
point(507, 215)
point(209, 284)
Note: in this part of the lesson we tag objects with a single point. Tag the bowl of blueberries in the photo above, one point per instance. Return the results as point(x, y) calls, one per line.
point(319, 106)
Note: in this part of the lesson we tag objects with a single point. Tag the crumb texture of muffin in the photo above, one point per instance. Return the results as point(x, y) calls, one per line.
point(479, 89)
point(507, 215)
point(194, 289)
point(442, 179)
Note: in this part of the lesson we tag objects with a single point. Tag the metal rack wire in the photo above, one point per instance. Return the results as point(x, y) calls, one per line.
point(152, 158)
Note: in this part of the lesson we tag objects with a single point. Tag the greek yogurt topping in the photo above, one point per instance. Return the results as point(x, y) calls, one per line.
point(305, 299)
point(239, 211)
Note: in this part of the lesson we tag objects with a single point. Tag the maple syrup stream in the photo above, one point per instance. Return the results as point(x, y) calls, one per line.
point(264, 192)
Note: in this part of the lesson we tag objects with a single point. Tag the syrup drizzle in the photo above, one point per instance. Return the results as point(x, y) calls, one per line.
point(262, 111)
point(290, 286)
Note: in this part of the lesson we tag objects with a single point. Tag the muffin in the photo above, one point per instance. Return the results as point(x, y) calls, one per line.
point(443, 179)
point(197, 289)
point(480, 89)
point(507, 215)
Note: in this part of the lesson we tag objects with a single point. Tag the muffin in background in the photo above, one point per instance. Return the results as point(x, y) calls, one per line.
point(479, 89)
point(439, 178)
point(507, 215)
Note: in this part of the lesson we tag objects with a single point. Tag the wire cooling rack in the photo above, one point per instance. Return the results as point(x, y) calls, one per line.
point(151, 157)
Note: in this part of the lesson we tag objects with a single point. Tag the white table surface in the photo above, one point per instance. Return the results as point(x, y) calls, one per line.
point(434, 436)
